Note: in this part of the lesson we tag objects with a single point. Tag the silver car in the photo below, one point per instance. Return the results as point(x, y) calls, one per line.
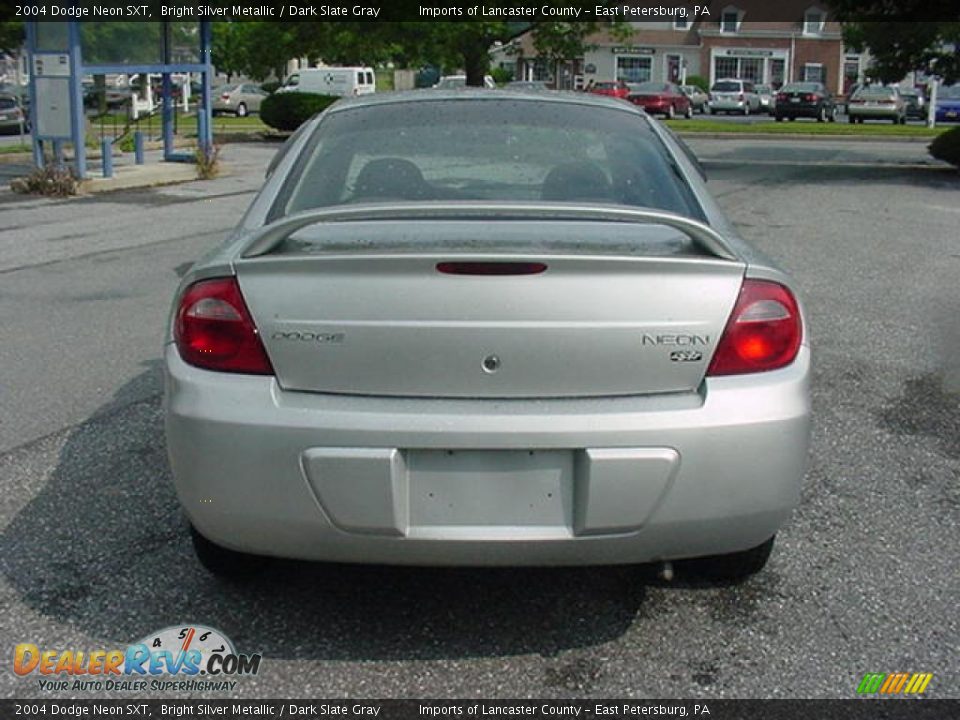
point(732, 95)
point(525, 337)
point(240, 99)
point(877, 102)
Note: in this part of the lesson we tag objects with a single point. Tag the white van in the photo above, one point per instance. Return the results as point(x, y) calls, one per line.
point(341, 81)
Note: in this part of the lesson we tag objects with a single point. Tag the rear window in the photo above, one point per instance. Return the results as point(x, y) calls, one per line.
point(650, 87)
point(226, 89)
point(800, 87)
point(503, 150)
point(875, 92)
point(950, 93)
point(726, 87)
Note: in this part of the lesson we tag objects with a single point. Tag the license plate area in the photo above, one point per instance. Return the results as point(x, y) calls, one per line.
point(490, 494)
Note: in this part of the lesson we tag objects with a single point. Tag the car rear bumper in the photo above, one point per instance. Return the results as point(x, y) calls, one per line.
point(487, 482)
point(873, 112)
point(727, 104)
point(797, 109)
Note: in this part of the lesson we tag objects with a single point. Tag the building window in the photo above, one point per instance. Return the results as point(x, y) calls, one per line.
point(726, 67)
point(813, 72)
point(813, 22)
point(680, 24)
point(634, 69)
point(730, 21)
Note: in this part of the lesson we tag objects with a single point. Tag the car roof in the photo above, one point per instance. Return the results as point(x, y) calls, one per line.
point(483, 94)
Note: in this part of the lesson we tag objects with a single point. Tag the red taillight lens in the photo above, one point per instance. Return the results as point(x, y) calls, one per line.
point(213, 329)
point(809, 97)
point(781, 96)
point(763, 332)
point(225, 96)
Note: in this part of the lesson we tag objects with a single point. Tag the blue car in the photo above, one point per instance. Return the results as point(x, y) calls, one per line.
point(948, 104)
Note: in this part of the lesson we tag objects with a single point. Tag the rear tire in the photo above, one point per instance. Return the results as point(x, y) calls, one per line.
point(732, 567)
point(822, 114)
point(689, 112)
point(671, 113)
point(852, 120)
point(778, 118)
point(222, 562)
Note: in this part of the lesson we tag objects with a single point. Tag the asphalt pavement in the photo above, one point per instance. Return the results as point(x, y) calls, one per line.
point(94, 552)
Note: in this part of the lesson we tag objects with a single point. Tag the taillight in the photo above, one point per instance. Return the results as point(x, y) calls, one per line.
point(491, 268)
point(781, 96)
point(225, 96)
point(809, 97)
point(763, 332)
point(213, 329)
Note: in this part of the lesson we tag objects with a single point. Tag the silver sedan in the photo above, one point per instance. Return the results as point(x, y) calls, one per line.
point(486, 327)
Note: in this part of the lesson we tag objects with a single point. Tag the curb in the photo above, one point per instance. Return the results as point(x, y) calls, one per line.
point(797, 136)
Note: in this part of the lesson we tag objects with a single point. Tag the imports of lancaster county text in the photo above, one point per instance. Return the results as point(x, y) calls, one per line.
point(267, 11)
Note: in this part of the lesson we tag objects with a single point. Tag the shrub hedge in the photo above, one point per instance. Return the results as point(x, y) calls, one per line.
point(946, 146)
point(289, 110)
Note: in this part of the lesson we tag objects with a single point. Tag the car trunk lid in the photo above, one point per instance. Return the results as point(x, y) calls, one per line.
point(429, 310)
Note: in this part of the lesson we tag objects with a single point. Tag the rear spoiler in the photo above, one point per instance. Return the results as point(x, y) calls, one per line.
point(266, 238)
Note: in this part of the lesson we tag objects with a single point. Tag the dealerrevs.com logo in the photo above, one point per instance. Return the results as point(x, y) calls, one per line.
point(182, 657)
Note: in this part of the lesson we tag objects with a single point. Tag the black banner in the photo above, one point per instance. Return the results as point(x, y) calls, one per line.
point(856, 709)
point(666, 11)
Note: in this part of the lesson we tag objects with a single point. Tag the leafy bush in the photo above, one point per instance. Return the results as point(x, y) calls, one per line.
point(698, 81)
point(48, 180)
point(270, 86)
point(289, 110)
point(501, 75)
point(946, 146)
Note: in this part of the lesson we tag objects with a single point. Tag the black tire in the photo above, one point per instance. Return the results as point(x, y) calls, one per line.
point(778, 118)
point(792, 118)
point(732, 567)
point(903, 120)
point(671, 113)
point(822, 114)
point(688, 113)
point(851, 119)
point(242, 110)
point(222, 562)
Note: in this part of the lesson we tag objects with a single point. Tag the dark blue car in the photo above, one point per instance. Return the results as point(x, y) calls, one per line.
point(948, 104)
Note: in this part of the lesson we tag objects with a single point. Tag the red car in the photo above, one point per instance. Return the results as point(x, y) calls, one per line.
point(658, 98)
point(618, 89)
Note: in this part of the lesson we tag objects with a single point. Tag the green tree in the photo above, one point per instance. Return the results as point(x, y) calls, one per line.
point(12, 36)
point(904, 36)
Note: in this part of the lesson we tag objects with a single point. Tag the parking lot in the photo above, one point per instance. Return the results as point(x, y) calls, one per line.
point(94, 552)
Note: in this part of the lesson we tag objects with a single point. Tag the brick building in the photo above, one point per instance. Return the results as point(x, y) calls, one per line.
point(729, 45)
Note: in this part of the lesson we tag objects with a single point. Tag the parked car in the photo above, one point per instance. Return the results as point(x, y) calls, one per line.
point(239, 99)
point(916, 103)
point(877, 102)
point(617, 89)
point(733, 95)
point(115, 97)
point(390, 361)
point(661, 98)
point(948, 104)
point(12, 116)
point(767, 96)
point(459, 81)
point(538, 85)
point(698, 98)
point(805, 99)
